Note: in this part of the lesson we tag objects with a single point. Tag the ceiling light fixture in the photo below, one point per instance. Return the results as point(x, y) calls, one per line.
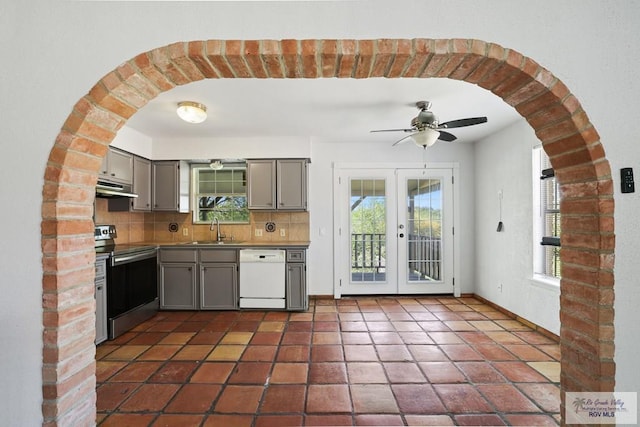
point(425, 138)
point(192, 112)
point(216, 165)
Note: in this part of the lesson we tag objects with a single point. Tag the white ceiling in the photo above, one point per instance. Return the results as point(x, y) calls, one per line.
point(325, 110)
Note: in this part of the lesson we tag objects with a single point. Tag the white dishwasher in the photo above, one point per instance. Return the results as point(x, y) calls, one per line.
point(262, 278)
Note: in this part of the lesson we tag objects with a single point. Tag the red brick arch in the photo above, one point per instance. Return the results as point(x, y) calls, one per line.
point(587, 330)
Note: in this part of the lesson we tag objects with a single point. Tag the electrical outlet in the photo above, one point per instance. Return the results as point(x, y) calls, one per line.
point(258, 232)
point(185, 231)
point(283, 232)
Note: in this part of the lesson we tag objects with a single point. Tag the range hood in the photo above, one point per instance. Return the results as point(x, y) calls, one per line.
point(112, 189)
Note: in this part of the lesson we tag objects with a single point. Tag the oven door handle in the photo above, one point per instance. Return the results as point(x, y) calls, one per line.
point(126, 259)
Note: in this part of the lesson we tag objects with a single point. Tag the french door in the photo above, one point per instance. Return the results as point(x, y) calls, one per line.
point(395, 231)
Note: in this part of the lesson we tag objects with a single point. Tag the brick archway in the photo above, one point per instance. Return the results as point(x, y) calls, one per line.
point(587, 329)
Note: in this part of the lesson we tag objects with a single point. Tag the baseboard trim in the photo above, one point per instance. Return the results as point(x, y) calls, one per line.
point(547, 333)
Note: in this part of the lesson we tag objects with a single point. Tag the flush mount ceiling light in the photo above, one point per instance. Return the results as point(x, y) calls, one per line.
point(192, 112)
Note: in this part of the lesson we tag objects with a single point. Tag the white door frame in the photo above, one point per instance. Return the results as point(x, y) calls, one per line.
point(338, 250)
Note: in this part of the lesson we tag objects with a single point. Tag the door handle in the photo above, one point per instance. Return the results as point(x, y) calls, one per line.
point(401, 235)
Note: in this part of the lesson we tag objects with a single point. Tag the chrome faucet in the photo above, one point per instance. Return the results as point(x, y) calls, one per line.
point(216, 221)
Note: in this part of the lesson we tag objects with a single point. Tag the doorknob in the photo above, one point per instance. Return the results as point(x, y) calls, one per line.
point(401, 235)
point(401, 226)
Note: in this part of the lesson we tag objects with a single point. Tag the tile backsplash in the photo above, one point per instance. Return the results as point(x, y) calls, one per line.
point(154, 226)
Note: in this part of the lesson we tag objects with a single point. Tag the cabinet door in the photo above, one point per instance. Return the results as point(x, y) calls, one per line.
point(165, 186)
point(261, 184)
point(292, 184)
point(218, 286)
point(296, 286)
point(101, 311)
point(104, 167)
point(141, 184)
point(178, 286)
point(120, 166)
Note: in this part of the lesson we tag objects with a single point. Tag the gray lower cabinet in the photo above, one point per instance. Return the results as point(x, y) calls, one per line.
point(198, 279)
point(178, 279)
point(218, 286)
point(218, 279)
point(178, 286)
point(207, 279)
point(297, 298)
point(101, 299)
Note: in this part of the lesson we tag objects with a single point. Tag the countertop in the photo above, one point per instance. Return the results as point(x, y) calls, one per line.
point(231, 244)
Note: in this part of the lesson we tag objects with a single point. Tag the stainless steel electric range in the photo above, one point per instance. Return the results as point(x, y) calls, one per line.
point(132, 290)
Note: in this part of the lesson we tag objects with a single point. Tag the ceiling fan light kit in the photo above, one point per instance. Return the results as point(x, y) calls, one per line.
point(427, 130)
point(425, 138)
point(192, 112)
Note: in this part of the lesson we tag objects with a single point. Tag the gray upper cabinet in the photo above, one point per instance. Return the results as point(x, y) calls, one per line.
point(291, 178)
point(117, 166)
point(170, 189)
point(277, 184)
point(141, 184)
point(261, 184)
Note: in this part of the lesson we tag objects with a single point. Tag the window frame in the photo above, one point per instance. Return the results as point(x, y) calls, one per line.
point(546, 257)
point(196, 193)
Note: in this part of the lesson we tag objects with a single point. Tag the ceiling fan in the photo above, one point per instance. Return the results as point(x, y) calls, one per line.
point(426, 130)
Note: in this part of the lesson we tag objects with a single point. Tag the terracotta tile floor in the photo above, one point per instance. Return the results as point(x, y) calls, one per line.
point(355, 361)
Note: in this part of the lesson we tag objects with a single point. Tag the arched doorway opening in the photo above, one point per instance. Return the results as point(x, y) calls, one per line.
point(587, 330)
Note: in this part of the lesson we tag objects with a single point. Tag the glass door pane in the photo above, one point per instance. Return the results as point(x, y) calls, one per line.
point(368, 230)
point(424, 229)
point(366, 249)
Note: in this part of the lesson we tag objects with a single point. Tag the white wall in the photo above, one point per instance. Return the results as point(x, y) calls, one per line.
point(324, 155)
point(131, 140)
point(504, 260)
point(53, 52)
point(235, 148)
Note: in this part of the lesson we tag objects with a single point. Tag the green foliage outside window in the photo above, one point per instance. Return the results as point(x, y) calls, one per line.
point(220, 194)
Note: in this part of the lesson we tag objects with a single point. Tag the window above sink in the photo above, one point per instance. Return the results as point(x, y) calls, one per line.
point(220, 192)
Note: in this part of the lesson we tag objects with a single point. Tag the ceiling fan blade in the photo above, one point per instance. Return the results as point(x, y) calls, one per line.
point(400, 141)
point(446, 136)
point(393, 130)
point(462, 123)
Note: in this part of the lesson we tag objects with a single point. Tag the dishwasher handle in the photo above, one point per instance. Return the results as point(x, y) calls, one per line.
point(262, 255)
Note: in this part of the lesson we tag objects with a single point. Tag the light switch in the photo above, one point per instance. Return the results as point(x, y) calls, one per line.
point(626, 178)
